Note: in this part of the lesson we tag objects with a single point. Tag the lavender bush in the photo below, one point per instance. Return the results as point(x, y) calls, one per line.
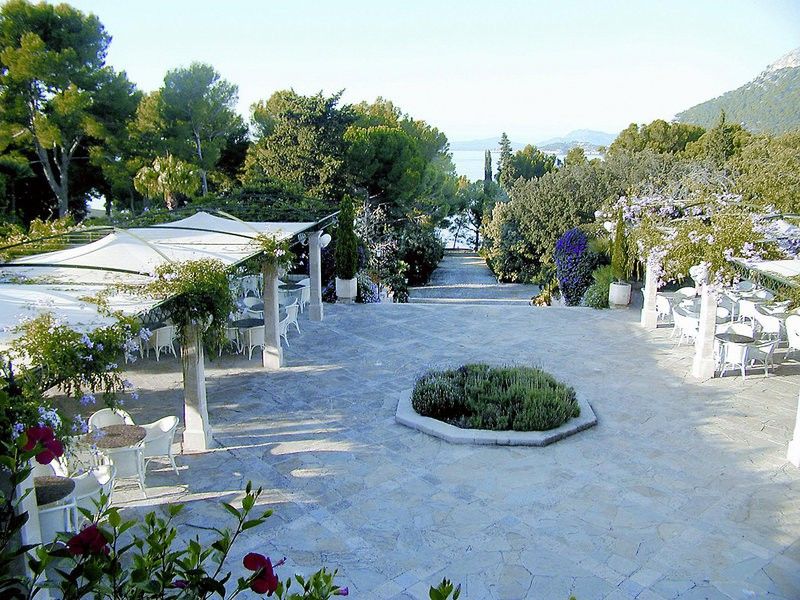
point(574, 265)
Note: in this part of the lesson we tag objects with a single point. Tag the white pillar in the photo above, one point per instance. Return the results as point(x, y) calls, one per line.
point(197, 432)
point(649, 318)
point(273, 353)
point(793, 454)
point(703, 366)
point(31, 533)
point(315, 272)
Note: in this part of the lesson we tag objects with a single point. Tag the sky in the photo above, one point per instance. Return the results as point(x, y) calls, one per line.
point(473, 69)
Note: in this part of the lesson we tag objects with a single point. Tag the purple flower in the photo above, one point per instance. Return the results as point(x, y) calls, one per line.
point(88, 399)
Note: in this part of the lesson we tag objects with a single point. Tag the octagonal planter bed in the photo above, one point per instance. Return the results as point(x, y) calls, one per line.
point(478, 404)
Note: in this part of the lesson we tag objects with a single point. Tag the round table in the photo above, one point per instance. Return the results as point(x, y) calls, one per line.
point(153, 326)
point(247, 323)
point(116, 436)
point(257, 307)
point(735, 338)
point(290, 287)
point(52, 488)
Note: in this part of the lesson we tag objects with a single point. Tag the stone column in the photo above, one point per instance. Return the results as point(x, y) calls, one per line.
point(649, 319)
point(315, 272)
point(703, 366)
point(31, 533)
point(793, 454)
point(197, 432)
point(273, 353)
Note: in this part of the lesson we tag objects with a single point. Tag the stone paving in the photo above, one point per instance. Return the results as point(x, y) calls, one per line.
point(463, 276)
point(682, 490)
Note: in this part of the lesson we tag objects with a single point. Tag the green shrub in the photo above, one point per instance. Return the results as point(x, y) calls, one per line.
point(596, 295)
point(421, 249)
point(497, 398)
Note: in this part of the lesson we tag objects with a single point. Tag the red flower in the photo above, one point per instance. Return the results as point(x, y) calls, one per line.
point(265, 581)
point(52, 449)
point(36, 434)
point(91, 540)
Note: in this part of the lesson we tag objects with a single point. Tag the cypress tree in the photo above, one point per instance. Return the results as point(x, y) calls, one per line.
point(487, 171)
point(619, 259)
point(346, 255)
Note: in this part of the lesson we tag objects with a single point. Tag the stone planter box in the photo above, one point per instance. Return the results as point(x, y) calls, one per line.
point(346, 290)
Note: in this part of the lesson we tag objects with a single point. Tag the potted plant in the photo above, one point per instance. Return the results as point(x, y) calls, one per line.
point(346, 253)
point(619, 292)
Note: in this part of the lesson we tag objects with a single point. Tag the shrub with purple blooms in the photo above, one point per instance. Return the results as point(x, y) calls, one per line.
point(574, 265)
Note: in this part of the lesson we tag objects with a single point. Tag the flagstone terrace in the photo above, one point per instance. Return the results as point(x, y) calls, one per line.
point(682, 490)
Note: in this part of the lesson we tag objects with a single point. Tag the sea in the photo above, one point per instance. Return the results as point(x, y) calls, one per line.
point(470, 163)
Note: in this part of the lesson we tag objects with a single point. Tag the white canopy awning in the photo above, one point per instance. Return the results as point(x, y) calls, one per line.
point(58, 280)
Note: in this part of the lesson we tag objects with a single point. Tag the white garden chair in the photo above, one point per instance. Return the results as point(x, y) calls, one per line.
point(249, 303)
point(747, 310)
point(160, 340)
point(305, 293)
point(109, 416)
point(231, 339)
point(129, 463)
point(252, 337)
point(686, 292)
point(289, 319)
point(57, 517)
point(663, 308)
point(90, 487)
point(792, 325)
point(687, 325)
point(764, 294)
point(159, 439)
point(770, 326)
point(763, 353)
point(733, 355)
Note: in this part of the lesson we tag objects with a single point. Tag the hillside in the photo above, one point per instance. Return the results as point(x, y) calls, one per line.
point(769, 103)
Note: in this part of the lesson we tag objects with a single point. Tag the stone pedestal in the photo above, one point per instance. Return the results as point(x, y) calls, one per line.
point(703, 366)
point(649, 318)
point(273, 353)
point(793, 454)
point(197, 432)
point(315, 310)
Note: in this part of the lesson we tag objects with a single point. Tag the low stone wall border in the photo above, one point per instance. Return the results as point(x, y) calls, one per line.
point(406, 415)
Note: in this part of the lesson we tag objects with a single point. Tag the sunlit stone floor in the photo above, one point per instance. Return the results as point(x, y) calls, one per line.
point(681, 491)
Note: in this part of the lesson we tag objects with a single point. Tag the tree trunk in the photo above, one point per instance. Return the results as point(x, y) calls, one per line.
point(169, 200)
point(203, 177)
point(477, 240)
point(60, 189)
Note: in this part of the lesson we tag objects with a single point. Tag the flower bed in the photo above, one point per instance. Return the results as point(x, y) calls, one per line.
point(495, 398)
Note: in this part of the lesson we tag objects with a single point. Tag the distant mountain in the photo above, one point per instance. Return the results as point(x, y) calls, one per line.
point(586, 138)
point(770, 103)
point(580, 137)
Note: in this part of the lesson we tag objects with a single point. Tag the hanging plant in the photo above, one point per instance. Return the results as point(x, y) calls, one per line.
point(197, 292)
point(277, 252)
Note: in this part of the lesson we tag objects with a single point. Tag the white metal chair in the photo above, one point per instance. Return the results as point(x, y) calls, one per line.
point(231, 339)
point(686, 292)
point(251, 286)
point(109, 416)
point(733, 355)
point(763, 352)
point(289, 319)
point(747, 310)
point(159, 439)
point(252, 337)
point(249, 303)
point(729, 303)
point(771, 326)
point(129, 463)
point(663, 308)
point(688, 326)
point(160, 340)
point(723, 313)
point(90, 487)
point(57, 517)
point(764, 294)
point(792, 325)
point(305, 293)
